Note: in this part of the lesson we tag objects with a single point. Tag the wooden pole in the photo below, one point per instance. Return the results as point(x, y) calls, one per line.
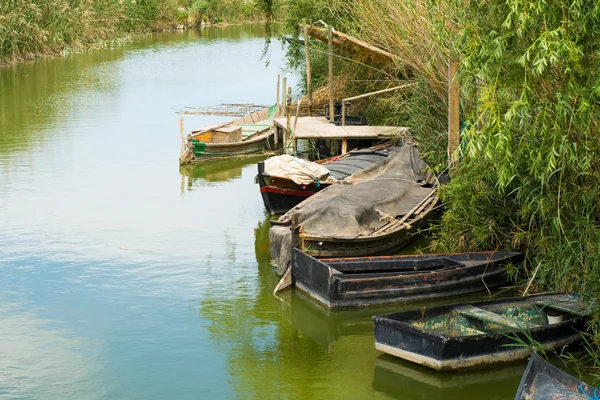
point(278, 105)
point(182, 130)
point(283, 92)
point(453, 115)
point(295, 141)
point(288, 110)
point(308, 73)
point(330, 43)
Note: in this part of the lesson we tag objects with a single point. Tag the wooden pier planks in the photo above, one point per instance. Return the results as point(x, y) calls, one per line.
point(320, 128)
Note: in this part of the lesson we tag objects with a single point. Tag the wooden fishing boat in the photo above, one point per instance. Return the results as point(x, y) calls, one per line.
point(542, 380)
point(479, 334)
point(376, 211)
point(252, 133)
point(369, 281)
point(281, 193)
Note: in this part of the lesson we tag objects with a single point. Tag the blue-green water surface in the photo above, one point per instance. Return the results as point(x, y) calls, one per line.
point(122, 277)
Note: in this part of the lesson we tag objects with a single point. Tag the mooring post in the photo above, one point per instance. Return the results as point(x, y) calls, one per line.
point(330, 43)
point(308, 73)
point(182, 130)
point(283, 92)
point(278, 105)
point(288, 110)
point(453, 115)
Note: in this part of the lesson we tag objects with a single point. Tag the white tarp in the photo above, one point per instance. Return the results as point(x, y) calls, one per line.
point(299, 171)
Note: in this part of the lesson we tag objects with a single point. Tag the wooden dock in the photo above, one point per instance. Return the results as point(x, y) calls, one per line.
point(320, 128)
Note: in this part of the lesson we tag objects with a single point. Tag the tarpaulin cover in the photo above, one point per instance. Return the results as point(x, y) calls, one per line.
point(301, 172)
point(359, 205)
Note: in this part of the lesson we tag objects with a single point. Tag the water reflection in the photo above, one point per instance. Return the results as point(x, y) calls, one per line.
point(402, 379)
point(223, 170)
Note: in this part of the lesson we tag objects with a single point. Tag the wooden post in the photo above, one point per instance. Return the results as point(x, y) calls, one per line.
point(330, 43)
point(295, 141)
point(308, 73)
point(343, 113)
point(453, 115)
point(182, 130)
point(344, 146)
point(288, 110)
point(278, 105)
point(283, 92)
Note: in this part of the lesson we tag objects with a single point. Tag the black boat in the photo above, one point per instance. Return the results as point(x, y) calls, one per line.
point(542, 380)
point(369, 281)
point(280, 194)
point(479, 334)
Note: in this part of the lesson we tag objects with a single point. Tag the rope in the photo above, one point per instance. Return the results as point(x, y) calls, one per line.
point(595, 397)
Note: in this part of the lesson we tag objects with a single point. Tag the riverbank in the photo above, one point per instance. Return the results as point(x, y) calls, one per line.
point(48, 28)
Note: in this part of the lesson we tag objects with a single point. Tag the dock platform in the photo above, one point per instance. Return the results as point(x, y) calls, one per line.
point(321, 128)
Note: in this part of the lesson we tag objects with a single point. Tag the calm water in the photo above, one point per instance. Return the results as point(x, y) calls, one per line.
point(123, 278)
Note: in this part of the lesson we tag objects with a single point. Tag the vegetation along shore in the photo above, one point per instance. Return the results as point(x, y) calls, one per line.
point(32, 28)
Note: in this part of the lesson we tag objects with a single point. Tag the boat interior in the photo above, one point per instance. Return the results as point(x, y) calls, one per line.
point(469, 320)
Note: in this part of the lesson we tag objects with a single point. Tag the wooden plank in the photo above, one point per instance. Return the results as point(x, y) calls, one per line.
point(351, 44)
point(488, 316)
point(577, 309)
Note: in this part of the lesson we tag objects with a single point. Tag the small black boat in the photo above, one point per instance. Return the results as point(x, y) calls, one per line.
point(542, 380)
point(369, 281)
point(479, 334)
point(281, 194)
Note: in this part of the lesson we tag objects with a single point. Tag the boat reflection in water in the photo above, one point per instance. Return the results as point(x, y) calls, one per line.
point(400, 378)
point(222, 170)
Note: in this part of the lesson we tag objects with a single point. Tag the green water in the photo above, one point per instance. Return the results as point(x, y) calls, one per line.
point(124, 277)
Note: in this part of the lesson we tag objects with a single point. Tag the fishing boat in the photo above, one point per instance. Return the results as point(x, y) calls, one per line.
point(375, 211)
point(369, 281)
point(285, 181)
point(542, 380)
point(252, 133)
point(479, 334)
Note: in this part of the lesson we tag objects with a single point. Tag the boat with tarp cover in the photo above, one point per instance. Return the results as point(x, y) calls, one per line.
point(542, 380)
point(286, 181)
point(480, 334)
point(370, 281)
point(252, 133)
point(375, 211)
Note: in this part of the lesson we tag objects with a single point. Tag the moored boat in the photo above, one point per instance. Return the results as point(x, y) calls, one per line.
point(542, 380)
point(376, 211)
point(370, 281)
point(252, 133)
point(480, 334)
point(282, 189)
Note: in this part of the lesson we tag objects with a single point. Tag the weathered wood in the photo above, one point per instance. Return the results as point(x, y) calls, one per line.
point(330, 43)
point(308, 72)
point(352, 44)
point(288, 109)
point(488, 316)
point(344, 146)
point(295, 141)
point(320, 128)
point(453, 115)
point(283, 94)
point(278, 105)
point(285, 282)
point(182, 130)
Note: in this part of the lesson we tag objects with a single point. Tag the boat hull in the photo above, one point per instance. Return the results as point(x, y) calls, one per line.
point(214, 151)
point(542, 380)
point(399, 334)
point(372, 281)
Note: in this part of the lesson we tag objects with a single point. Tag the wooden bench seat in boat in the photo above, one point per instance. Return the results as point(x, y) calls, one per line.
point(488, 316)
